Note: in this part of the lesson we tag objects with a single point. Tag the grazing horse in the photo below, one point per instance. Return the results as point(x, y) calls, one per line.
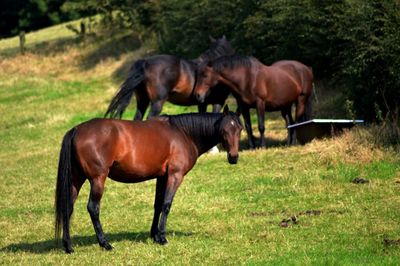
point(163, 78)
point(266, 88)
point(164, 148)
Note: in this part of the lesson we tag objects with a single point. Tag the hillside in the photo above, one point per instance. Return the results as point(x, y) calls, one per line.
point(221, 214)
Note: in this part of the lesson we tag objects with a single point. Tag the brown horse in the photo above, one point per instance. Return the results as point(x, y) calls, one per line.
point(164, 148)
point(163, 78)
point(266, 88)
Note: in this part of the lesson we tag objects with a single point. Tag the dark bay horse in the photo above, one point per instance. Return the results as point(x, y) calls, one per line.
point(163, 78)
point(165, 148)
point(266, 88)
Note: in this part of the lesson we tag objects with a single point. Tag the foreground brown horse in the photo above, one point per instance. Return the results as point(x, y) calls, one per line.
point(266, 88)
point(165, 148)
point(161, 78)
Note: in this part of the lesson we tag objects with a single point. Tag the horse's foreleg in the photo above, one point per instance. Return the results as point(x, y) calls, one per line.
point(261, 122)
point(158, 203)
point(217, 108)
point(96, 192)
point(173, 182)
point(247, 123)
point(202, 107)
point(156, 107)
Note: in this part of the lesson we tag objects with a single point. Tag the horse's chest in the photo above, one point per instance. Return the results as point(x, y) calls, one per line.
point(181, 97)
point(182, 91)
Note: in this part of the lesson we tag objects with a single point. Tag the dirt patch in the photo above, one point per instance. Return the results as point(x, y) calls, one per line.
point(294, 219)
point(288, 222)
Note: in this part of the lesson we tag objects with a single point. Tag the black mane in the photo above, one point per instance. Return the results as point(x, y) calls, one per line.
point(201, 127)
point(233, 61)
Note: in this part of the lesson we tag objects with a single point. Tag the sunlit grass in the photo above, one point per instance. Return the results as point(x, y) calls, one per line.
point(54, 33)
point(221, 215)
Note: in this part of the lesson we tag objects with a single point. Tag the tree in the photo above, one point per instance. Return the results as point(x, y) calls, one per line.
point(31, 15)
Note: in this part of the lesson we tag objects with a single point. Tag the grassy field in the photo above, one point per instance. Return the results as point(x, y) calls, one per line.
point(280, 205)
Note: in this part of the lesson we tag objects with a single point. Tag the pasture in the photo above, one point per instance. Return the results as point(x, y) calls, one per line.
point(279, 205)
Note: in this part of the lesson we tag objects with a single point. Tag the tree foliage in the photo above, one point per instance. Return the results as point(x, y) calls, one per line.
point(353, 42)
point(30, 15)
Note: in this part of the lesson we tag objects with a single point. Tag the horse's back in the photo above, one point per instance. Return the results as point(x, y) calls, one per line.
point(168, 76)
point(162, 68)
point(301, 73)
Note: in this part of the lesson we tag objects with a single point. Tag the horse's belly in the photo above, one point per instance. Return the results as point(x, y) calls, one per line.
point(136, 172)
point(277, 102)
point(144, 158)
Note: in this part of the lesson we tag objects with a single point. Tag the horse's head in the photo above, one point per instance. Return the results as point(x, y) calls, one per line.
point(221, 45)
point(230, 129)
point(206, 78)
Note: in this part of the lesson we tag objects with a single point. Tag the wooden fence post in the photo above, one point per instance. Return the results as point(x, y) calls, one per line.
point(22, 42)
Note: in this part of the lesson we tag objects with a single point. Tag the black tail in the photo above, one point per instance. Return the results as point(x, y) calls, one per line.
point(122, 98)
point(63, 200)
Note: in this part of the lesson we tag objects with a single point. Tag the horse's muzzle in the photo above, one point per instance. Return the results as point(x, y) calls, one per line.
point(233, 159)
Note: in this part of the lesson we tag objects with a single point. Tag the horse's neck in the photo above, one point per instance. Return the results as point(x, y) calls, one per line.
point(200, 129)
point(235, 82)
point(204, 140)
point(206, 144)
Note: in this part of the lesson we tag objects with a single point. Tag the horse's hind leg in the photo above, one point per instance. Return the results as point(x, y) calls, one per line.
point(287, 116)
point(300, 108)
point(96, 192)
point(261, 122)
point(77, 182)
point(247, 123)
point(158, 202)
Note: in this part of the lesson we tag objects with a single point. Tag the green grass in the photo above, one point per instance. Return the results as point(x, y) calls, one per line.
point(221, 215)
point(34, 40)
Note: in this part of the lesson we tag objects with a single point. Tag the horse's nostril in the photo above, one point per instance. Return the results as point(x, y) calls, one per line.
point(232, 159)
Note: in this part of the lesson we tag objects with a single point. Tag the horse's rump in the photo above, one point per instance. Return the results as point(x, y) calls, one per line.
point(301, 73)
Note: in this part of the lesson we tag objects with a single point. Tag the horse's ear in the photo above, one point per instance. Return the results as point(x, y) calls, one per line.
point(211, 38)
point(238, 111)
point(226, 110)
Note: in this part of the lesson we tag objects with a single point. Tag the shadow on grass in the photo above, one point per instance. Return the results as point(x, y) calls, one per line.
point(44, 48)
point(121, 73)
point(113, 47)
point(51, 245)
point(270, 143)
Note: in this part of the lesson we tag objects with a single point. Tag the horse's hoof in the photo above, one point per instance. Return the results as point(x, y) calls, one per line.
point(160, 240)
point(69, 250)
point(107, 246)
